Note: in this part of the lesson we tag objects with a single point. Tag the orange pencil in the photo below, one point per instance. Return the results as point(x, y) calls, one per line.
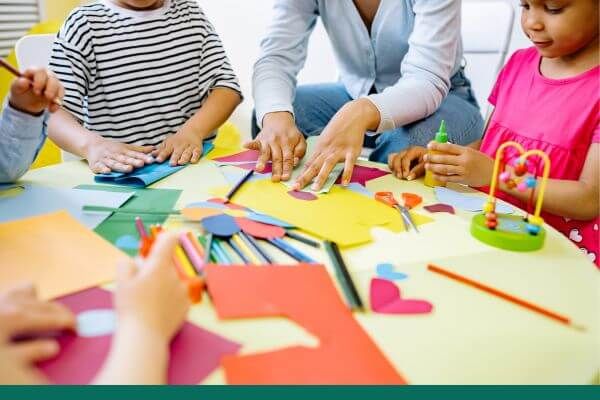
point(510, 298)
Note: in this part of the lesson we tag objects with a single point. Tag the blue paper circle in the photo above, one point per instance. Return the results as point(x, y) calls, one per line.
point(221, 225)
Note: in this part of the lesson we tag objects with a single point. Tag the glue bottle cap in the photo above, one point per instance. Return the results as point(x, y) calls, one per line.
point(442, 135)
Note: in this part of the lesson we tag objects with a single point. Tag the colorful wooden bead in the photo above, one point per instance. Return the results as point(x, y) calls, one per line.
point(520, 169)
point(489, 207)
point(533, 220)
point(533, 229)
point(511, 184)
point(522, 187)
point(531, 182)
point(491, 224)
point(491, 216)
point(505, 176)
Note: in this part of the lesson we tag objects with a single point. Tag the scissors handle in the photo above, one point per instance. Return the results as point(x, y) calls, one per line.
point(386, 198)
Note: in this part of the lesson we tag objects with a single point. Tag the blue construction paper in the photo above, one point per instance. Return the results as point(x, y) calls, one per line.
point(38, 200)
point(233, 174)
point(467, 202)
point(145, 176)
point(360, 189)
point(221, 225)
point(266, 219)
point(387, 271)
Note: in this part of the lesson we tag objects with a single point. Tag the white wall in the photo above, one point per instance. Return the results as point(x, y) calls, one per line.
point(241, 24)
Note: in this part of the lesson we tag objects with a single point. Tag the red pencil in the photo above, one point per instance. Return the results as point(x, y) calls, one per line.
point(495, 292)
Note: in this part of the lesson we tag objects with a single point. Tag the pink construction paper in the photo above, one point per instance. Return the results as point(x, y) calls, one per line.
point(306, 196)
point(195, 352)
point(386, 299)
point(249, 155)
point(440, 208)
point(362, 175)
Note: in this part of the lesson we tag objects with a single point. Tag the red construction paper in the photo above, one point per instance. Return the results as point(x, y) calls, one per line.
point(306, 295)
point(195, 352)
point(260, 230)
point(362, 175)
point(386, 299)
point(249, 155)
point(306, 196)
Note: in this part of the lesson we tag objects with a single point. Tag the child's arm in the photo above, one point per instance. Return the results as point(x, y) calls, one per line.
point(186, 145)
point(22, 131)
point(103, 155)
point(151, 303)
point(570, 199)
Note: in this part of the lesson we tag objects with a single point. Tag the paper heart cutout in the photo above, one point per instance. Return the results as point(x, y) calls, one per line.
point(440, 208)
point(575, 236)
point(387, 271)
point(386, 299)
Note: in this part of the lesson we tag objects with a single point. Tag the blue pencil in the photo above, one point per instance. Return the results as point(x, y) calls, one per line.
point(253, 244)
point(291, 251)
point(220, 253)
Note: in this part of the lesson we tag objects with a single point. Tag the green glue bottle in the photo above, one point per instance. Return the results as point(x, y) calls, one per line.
point(440, 137)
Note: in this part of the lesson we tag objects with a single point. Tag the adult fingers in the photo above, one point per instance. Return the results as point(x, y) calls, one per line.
point(287, 152)
point(277, 160)
point(326, 168)
point(348, 169)
point(127, 160)
point(299, 151)
point(264, 156)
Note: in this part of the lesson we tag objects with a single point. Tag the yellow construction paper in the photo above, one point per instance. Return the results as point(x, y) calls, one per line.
point(342, 215)
point(56, 253)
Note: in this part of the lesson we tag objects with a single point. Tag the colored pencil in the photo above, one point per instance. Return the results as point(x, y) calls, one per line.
point(184, 262)
point(208, 246)
point(18, 74)
point(291, 251)
point(505, 296)
point(254, 260)
point(237, 250)
point(303, 239)
point(139, 224)
point(192, 254)
point(350, 291)
point(238, 186)
point(253, 243)
point(194, 240)
point(221, 253)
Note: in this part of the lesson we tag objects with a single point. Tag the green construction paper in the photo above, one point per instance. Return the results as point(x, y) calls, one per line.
point(118, 225)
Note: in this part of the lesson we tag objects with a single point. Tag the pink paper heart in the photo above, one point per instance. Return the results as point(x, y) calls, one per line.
point(386, 299)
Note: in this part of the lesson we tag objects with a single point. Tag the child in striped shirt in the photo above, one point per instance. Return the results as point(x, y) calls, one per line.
point(145, 81)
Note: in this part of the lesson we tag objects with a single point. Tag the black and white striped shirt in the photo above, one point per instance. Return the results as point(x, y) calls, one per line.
point(137, 77)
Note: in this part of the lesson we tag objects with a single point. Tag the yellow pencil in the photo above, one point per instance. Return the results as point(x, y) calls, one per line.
point(184, 262)
point(249, 253)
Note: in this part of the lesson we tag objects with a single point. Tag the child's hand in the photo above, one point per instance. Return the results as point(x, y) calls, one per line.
point(408, 164)
point(183, 147)
point(460, 164)
point(150, 296)
point(37, 90)
point(22, 315)
point(104, 156)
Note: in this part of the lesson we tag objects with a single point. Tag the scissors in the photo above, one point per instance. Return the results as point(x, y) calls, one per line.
point(387, 198)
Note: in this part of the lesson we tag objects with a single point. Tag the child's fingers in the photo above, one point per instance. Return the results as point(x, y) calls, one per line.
point(186, 156)
point(40, 77)
point(448, 148)
point(123, 159)
point(417, 171)
point(126, 270)
point(52, 89)
point(444, 169)
point(161, 255)
point(145, 158)
point(116, 165)
point(36, 350)
point(165, 152)
point(100, 168)
point(140, 149)
point(407, 161)
point(176, 155)
point(443, 159)
point(20, 86)
point(448, 178)
point(196, 154)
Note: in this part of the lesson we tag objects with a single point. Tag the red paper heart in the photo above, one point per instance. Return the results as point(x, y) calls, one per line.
point(386, 299)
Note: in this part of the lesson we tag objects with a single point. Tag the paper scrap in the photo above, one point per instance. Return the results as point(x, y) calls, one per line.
point(221, 225)
point(266, 219)
point(56, 253)
point(388, 271)
point(195, 352)
point(305, 294)
point(38, 200)
point(358, 188)
point(440, 208)
point(304, 196)
point(467, 202)
point(411, 200)
point(127, 243)
point(386, 299)
point(362, 174)
point(260, 230)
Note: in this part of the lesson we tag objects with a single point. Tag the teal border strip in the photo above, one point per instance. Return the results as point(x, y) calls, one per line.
point(299, 392)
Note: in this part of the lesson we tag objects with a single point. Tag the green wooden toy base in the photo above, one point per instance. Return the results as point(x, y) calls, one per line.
point(511, 233)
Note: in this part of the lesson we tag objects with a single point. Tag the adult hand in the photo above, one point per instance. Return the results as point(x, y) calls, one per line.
point(182, 148)
point(341, 141)
point(105, 155)
point(408, 164)
point(35, 91)
point(459, 164)
point(280, 142)
point(23, 315)
point(150, 297)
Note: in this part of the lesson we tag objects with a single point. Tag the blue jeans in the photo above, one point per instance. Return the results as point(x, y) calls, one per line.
point(315, 105)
